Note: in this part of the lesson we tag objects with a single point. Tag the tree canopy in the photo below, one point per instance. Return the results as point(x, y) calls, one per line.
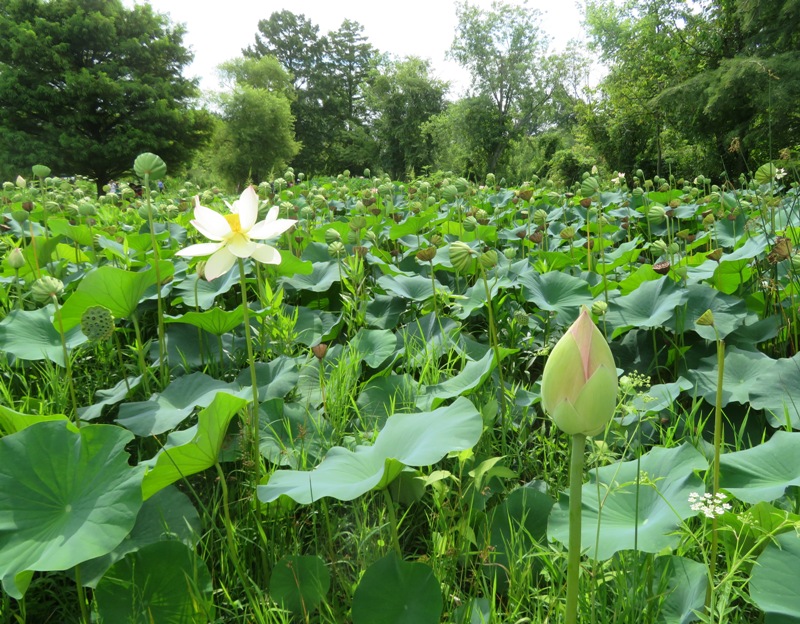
point(86, 85)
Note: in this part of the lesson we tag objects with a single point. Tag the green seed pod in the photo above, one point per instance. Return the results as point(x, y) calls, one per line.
point(470, 223)
point(540, 217)
point(331, 236)
point(490, 179)
point(86, 209)
point(568, 233)
point(97, 323)
point(15, 259)
point(337, 249)
point(510, 253)
point(449, 193)
point(656, 214)
point(590, 186)
point(599, 308)
point(45, 288)
point(352, 237)
point(356, 223)
point(40, 171)
point(461, 185)
point(488, 259)
point(427, 254)
point(659, 246)
point(462, 256)
point(151, 165)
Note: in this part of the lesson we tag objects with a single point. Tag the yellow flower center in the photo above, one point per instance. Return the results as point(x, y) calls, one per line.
point(233, 221)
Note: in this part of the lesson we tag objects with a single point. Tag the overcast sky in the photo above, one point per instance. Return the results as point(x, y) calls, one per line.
point(217, 31)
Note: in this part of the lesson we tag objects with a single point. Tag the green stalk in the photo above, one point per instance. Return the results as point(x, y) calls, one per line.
point(140, 353)
point(496, 348)
point(392, 521)
point(81, 596)
point(252, 425)
point(67, 363)
point(574, 561)
point(712, 568)
point(163, 371)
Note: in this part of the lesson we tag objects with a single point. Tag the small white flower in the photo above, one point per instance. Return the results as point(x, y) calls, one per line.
point(780, 174)
point(710, 505)
point(234, 235)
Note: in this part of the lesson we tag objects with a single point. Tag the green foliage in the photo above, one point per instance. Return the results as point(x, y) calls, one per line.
point(86, 86)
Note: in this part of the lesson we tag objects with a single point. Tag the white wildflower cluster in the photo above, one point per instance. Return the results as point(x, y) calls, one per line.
point(712, 505)
point(780, 174)
point(620, 179)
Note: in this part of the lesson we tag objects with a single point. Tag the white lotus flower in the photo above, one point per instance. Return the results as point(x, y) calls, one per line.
point(234, 235)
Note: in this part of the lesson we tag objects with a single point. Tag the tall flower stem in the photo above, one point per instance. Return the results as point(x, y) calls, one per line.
point(712, 567)
point(163, 371)
point(251, 426)
point(496, 348)
point(574, 560)
point(392, 521)
point(67, 362)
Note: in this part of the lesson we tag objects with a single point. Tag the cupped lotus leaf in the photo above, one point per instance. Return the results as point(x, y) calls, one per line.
point(199, 292)
point(192, 450)
point(415, 288)
point(299, 583)
point(165, 582)
point(771, 584)
point(556, 292)
point(374, 346)
point(762, 473)
point(664, 478)
point(393, 591)
point(65, 496)
point(215, 320)
point(320, 279)
point(116, 289)
point(30, 335)
point(383, 311)
point(683, 584)
point(777, 393)
point(652, 304)
point(743, 375)
point(471, 377)
point(169, 515)
point(150, 165)
point(275, 378)
point(166, 410)
point(419, 439)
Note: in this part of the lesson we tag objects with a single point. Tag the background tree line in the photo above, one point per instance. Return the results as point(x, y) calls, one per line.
point(690, 86)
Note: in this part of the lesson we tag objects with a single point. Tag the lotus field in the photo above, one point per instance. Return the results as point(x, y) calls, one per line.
point(360, 400)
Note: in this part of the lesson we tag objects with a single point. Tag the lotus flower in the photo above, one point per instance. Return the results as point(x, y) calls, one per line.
point(579, 383)
point(234, 234)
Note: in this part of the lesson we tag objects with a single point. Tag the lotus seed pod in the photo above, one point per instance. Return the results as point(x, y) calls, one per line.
point(659, 246)
point(708, 221)
point(301, 176)
point(590, 186)
point(45, 288)
point(510, 253)
point(149, 164)
point(372, 237)
point(488, 259)
point(86, 209)
point(436, 239)
point(490, 179)
point(352, 237)
point(568, 233)
point(289, 176)
point(521, 318)
point(279, 184)
point(319, 202)
point(40, 171)
point(427, 254)
point(470, 223)
point(640, 174)
point(540, 217)
point(449, 193)
point(367, 173)
point(8, 186)
point(706, 319)
point(461, 256)
point(319, 350)
point(337, 249)
point(673, 248)
point(306, 212)
point(481, 214)
point(599, 308)
point(97, 323)
point(462, 185)
point(332, 236)
point(579, 381)
point(15, 259)
point(656, 214)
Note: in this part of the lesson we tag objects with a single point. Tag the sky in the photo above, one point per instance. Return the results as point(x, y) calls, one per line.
point(218, 31)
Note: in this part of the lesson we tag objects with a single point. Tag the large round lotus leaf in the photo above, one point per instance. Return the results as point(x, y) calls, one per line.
point(393, 591)
point(65, 497)
point(652, 304)
point(299, 583)
point(164, 582)
point(773, 583)
point(648, 518)
point(762, 473)
point(683, 584)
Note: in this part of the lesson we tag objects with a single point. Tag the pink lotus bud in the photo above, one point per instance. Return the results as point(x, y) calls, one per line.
point(579, 383)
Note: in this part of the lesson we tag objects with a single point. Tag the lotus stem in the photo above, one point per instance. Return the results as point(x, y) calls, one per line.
point(252, 424)
point(575, 491)
point(163, 371)
point(712, 567)
point(392, 521)
point(67, 363)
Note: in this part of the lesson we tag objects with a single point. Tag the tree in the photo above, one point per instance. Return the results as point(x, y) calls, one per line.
point(86, 85)
point(505, 52)
point(403, 97)
point(256, 136)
